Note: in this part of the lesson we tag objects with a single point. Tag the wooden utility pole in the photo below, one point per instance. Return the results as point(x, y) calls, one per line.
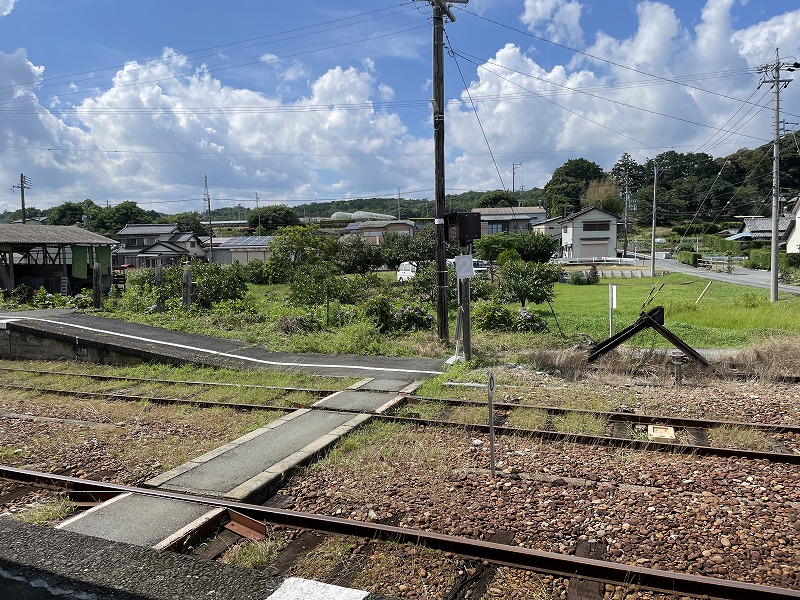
point(24, 184)
point(440, 9)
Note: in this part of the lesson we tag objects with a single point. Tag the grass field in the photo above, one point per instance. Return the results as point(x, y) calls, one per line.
point(727, 315)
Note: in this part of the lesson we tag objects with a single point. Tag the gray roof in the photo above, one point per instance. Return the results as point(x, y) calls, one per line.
point(251, 241)
point(50, 235)
point(761, 227)
point(148, 229)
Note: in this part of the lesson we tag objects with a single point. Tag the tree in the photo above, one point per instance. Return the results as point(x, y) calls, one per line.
point(496, 199)
point(536, 247)
point(568, 183)
point(529, 282)
point(297, 246)
point(188, 221)
point(354, 255)
point(604, 193)
point(68, 213)
point(270, 218)
point(110, 220)
point(530, 245)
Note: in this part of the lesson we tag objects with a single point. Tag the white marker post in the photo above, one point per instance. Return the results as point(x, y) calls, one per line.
point(491, 423)
point(612, 304)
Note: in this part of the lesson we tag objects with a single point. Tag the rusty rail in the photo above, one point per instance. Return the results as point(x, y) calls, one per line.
point(500, 554)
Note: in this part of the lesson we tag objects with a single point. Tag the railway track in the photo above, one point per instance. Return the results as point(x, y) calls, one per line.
point(252, 521)
point(620, 429)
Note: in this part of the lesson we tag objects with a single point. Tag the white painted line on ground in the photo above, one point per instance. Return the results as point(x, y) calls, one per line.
point(229, 355)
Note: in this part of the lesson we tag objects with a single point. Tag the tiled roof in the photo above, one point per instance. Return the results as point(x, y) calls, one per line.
point(518, 211)
point(50, 234)
point(148, 229)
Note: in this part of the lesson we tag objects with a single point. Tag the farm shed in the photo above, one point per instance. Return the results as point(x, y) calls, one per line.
point(60, 258)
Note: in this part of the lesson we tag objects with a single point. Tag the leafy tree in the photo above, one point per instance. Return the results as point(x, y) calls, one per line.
point(110, 220)
point(68, 213)
point(188, 221)
point(536, 247)
point(529, 245)
point(568, 183)
point(496, 199)
point(296, 246)
point(394, 249)
point(270, 218)
point(314, 284)
point(604, 193)
point(529, 282)
point(354, 255)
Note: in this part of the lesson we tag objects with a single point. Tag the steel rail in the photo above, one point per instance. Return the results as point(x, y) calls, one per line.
point(618, 416)
point(166, 381)
point(614, 442)
point(574, 438)
point(614, 416)
point(500, 554)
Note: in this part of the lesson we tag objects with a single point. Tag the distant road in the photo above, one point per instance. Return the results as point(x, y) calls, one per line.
point(751, 277)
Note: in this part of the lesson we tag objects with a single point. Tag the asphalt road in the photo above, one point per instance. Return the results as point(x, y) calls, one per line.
point(739, 275)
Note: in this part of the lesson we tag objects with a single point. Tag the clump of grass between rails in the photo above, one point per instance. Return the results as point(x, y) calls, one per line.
point(48, 511)
point(740, 438)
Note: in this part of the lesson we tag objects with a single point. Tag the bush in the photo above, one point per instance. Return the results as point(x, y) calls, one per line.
point(578, 278)
point(491, 316)
point(412, 318)
point(525, 321)
point(298, 324)
point(593, 277)
point(378, 310)
point(689, 258)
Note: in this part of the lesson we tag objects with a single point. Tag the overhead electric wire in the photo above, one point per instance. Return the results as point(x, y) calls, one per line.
point(592, 95)
point(598, 58)
point(46, 82)
point(474, 109)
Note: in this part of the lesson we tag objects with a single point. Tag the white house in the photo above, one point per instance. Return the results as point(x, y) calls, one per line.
point(586, 234)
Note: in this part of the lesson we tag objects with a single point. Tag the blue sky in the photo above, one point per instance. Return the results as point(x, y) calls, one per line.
point(316, 101)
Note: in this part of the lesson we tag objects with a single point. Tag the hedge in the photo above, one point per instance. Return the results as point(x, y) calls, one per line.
point(762, 259)
point(689, 258)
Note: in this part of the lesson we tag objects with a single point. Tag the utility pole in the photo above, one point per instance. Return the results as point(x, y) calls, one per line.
point(653, 231)
point(24, 184)
point(398, 204)
point(772, 74)
point(258, 215)
point(513, 180)
point(207, 201)
point(625, 217)
point(440, 9)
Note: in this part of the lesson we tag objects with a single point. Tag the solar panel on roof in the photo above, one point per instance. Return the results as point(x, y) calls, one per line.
point(253, 240)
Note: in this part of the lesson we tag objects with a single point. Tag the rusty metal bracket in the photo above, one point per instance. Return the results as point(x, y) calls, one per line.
point(654, 318)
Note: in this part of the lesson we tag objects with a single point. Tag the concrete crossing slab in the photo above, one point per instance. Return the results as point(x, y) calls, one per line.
point(355, 401)
point(386, 385)
point(255, 455)
point(135, 519)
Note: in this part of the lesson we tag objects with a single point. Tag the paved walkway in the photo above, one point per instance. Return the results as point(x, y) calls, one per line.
point(112, 336)
point(250, 468)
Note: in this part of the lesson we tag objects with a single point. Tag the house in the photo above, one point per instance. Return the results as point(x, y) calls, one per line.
point(760, 228)
point(586, 234)
point(241, 249)
point(510, 219)
point(56, 257)
point(373, 231)
point(149, 245)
